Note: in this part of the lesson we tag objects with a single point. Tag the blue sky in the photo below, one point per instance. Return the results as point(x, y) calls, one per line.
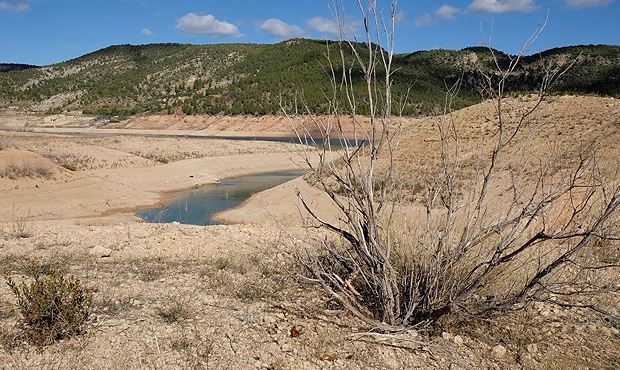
point(49, 31)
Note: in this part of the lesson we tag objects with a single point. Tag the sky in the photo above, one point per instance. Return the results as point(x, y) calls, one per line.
point(43, 32)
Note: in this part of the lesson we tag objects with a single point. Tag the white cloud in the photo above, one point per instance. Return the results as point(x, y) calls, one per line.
point(502, 6)
point(447, 12)
point(278, 28)
point(323, 25)
point(443, 12)
point(146, 33)
point(194, 24)
point(425, 20)
point(400, 17)
point(18, 6)
point(580, 4)
point(330, 27)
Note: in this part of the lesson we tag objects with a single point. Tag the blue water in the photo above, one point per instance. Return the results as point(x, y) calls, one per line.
point(198, 206)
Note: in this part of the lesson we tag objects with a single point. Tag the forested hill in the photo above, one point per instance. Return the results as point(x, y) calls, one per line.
point(7, 67)
point(255, 79)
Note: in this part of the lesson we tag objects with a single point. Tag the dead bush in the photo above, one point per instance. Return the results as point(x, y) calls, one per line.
point(15, 171)
point(21, 229)
point(52, 307)
point(510, 229)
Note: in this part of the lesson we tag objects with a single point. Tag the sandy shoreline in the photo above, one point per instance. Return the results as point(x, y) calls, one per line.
point(133, 182)
point(180, 125)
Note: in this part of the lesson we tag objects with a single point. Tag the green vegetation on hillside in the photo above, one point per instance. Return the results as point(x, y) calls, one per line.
point(256, 79)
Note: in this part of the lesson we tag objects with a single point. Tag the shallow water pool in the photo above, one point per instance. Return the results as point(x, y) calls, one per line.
point(199, 205)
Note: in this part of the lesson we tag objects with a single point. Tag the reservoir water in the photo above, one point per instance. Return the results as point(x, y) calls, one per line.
point(198, 206)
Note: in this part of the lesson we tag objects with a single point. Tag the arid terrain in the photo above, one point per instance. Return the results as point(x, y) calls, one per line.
point(234, 295)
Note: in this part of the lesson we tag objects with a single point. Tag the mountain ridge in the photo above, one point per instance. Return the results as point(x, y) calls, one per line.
point(261, 78)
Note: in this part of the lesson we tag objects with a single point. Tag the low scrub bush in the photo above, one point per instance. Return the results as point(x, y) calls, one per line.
point(15, 171)
point(52, 307)
point(72, 162)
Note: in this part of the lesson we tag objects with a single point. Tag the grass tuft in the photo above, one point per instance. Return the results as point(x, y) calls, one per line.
point(174, 312)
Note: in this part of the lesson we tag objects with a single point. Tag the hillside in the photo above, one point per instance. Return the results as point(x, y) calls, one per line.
point(255, 79)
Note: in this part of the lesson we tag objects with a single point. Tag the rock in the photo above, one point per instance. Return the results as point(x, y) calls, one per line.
point(458, 340)
point(100, 252)
point(499, 351)
point(446, 336)
point(532, 348)
point(297, 330)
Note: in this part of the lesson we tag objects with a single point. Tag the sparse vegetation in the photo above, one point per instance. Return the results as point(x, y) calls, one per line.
point(71, 162)
point(52, 306)
point(15, 171)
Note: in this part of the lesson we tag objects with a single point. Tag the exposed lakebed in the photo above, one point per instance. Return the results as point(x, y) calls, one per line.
point(198, 206)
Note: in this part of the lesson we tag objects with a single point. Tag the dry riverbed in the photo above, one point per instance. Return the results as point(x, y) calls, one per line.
point(233, 296)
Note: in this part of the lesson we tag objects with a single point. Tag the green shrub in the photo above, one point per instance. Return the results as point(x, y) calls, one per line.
point(53, 307)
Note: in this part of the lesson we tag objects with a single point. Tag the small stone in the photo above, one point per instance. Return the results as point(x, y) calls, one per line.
point(327, 357)
point(446, 336)
point(532, 348)
point(101, 252)
point(286, 347)
point(458, 340)
point(499, 351)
